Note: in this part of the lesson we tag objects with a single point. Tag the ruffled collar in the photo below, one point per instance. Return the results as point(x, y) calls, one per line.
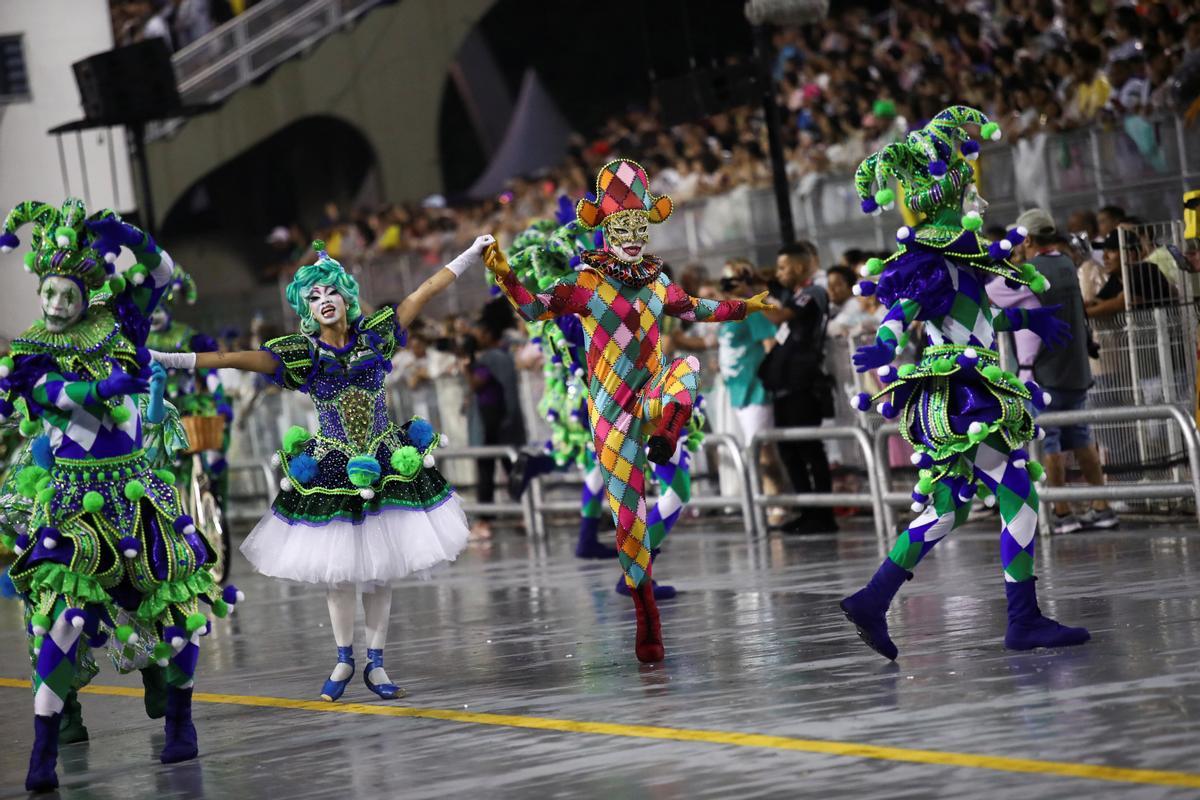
point(638, 275)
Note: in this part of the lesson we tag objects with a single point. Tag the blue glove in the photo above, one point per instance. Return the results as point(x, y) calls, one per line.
point(872, 356)
point(108, 235)
point(120, 383)
point(155, 410)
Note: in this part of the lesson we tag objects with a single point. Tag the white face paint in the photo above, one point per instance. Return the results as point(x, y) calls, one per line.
point(62, 303)
point(973, 200)
point(326, 305)
point(160, 320)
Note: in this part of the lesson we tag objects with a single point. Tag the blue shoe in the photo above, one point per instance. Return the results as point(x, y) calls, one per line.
point(661, 590)
point(387, 691)
point(332, 690)
point(44, 758)
point(867, 608)
point(1027, 628)
point(589, 545)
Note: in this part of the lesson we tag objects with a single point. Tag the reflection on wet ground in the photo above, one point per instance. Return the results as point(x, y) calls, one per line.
point(755, 644)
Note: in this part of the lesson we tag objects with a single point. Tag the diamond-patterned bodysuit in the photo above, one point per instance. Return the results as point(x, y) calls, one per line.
point(631, 391)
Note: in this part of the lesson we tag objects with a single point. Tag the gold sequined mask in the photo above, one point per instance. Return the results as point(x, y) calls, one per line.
point(627, 233)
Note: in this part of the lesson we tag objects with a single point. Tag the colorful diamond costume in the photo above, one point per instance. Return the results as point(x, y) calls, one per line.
point(965, 416)
point(107, 556)
point(636, 402)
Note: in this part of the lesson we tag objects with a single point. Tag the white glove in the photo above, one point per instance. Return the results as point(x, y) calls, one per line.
point(175, 360)
point(472, 256)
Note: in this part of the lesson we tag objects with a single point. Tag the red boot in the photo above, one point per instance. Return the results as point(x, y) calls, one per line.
point(660, 447)
point(649, 644)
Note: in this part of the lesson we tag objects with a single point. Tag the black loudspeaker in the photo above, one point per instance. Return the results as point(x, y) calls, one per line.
point(128, 84)
point(704, 92)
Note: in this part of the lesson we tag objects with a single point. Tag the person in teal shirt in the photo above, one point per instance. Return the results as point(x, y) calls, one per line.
point(742, 348)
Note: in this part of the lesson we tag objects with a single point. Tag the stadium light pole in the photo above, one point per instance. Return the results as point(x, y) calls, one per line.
point(766, 82)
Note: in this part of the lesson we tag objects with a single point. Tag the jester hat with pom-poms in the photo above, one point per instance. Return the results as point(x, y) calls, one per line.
point(181, 290)
point(67, 241)
point(622, 185)
point(932, 164)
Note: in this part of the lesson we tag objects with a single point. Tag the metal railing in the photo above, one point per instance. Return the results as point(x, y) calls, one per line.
point(251, 44)
point(872, 498)
point(522, 508)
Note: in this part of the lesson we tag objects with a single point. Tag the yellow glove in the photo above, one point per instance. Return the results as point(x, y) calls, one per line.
point(758, 303)
point(494, 260)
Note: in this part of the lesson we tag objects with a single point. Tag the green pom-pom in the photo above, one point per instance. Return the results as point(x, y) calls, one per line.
point(40, 621)
point(1013, 380)
point(124, 633)
point(135, 490)
point(991, 132)
point(993, 373)
point(972, 221)
point(116, 284)
point(1029, 271)
point(45, 495)
point(195, 622)
point(925, 485)
point(406, 461)
point(1039, 284)
point(166, 476)
point(318, 245)
point(120, 415)
point(8, 540)
point(30, 260)
point(1035, 470)
point(906, 369)
point(295, 439)
point(93, 502)
point(874, 266)
point(220, 608)
point(7, 363)
point(885, 197)
point(30, 428)
point(163, 651)
point(37, 643)
point(943, 366)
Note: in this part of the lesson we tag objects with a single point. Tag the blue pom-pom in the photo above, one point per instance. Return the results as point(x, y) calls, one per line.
point(494, 290)
point(43, 455)
point(970, 147)
point(888, 411)
point(938, 168)
point(231, 595)
point(922, 460)
point(556, 359)
point(869, 206)
point(76, 617)
point(129, 546)
point(303, 468)
point(966, 492)
point(182, 523)
point(861, 401)
point(1016, 235)
point(420, 433)
point(864, 288)
point(968, 358)
point(905, 235)
point(9, 240)
point(363, 471)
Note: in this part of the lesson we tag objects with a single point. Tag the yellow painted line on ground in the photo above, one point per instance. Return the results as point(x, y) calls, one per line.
point(1061, 769)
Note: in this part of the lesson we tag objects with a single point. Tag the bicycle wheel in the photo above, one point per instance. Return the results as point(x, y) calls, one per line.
point(215, 532)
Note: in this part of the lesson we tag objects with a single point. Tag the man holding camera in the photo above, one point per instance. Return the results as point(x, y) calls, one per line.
point(794, 372)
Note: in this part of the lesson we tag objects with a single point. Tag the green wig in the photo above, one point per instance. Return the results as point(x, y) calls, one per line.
point(325, 272)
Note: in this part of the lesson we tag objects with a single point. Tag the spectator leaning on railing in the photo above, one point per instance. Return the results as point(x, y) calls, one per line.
point(1065, 373)
point(794, 372)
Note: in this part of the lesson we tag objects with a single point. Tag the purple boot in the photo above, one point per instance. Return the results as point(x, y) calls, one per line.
point(867, 608)
point(44, 757)
point(589, 545)
point(181, 733)
point(1027, 628)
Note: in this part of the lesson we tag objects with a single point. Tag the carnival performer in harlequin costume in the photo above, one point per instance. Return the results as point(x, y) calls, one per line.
point(543, 254)
point(638, 406)
point(362, 504)
point(108, 557)
point(965, 416)
point(197, 393)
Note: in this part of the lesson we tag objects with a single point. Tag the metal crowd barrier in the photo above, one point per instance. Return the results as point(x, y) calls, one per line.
point(523, 508)
point(872, 499)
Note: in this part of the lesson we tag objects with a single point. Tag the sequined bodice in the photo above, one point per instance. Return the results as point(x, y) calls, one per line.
point(349, 395)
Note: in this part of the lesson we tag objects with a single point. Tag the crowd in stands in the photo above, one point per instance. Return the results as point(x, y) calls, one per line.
point(177, 22)
point(847, 86)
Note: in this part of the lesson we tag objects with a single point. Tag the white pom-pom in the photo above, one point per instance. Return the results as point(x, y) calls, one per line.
point(1022, 231)
point(133, 639)
point(49, 543)
point(886, 371)
point(110, 258)
point(877, 212)
point(1046, 398)
point(276, 460)
point(973, 215)
point(971, 352)
point(579, 373)
point(975, 428)
point(178, 642)
point(18, 549)
point(241, 596)
point(428, 461)
point(1005, 245)
point(189, 529)
point(990, 501)
point(285, 484)
point(38, 630)
point(77, 621)
point(5, 249)
point(37, 651)
point(4, 370)
point(62, 241)
point(902, 233)
point(1046, 288)
point(443, 441)
point(856, 290)
point(1019, 463)
point(1040, 433)
point(917, 507)
point(972, 156)
point(864, 271)
point(915, 459)
point(162, 662)
point(996, 134)
point(130, 553)
point(27, 268)
point(366, 493)
point(138, 278)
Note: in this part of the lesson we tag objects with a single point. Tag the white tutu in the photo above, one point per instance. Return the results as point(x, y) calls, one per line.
point(384, 547)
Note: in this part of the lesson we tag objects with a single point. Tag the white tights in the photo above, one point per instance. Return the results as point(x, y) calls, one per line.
point(377, 607)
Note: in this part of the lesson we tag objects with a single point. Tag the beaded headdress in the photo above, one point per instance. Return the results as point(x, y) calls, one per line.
point(622, 185)
point(63, 241)
point(931, 164)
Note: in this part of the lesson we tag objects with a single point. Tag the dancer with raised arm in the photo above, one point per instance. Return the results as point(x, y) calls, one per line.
point(966, 418)
point(362, 504)
point(638, 406)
